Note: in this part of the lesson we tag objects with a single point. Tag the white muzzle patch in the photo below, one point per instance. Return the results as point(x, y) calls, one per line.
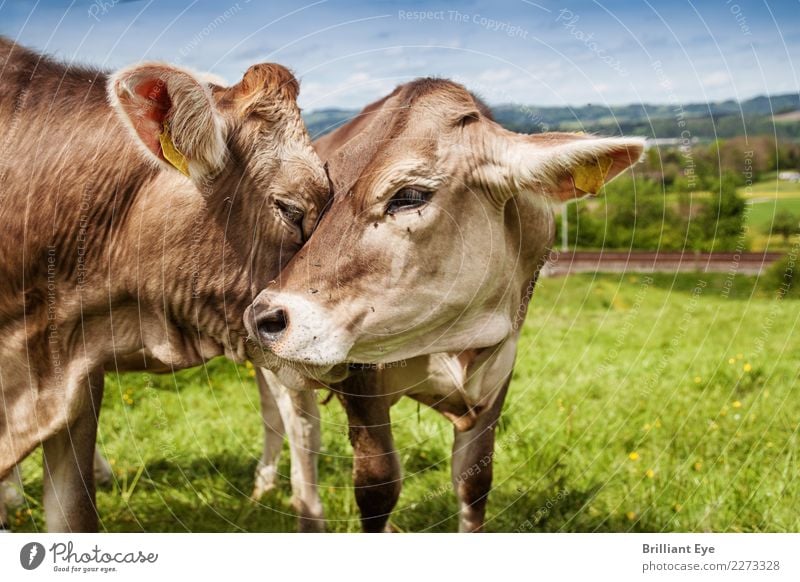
point(312, 336)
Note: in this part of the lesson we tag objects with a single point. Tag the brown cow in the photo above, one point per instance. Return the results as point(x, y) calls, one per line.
point(113, 257)
point(440, 223)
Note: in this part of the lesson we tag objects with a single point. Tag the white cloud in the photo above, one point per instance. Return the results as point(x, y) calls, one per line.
point(716, 79)
point(497, 75)
point(354, 91)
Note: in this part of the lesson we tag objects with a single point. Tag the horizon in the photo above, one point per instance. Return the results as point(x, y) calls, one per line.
point(348, 54)
point(609, 105)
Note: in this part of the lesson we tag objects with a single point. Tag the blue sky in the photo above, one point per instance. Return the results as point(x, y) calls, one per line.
point(349, 53)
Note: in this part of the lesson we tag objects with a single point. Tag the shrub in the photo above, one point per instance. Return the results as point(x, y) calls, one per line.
point(785, 224)
point(782, 277)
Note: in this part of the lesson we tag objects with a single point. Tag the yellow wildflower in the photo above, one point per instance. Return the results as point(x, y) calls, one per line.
point(697, 379)
point(633, 456)
point(631, 515)
point(732, 361)
point(747, 367)
point(736, 404)
point(650, 474)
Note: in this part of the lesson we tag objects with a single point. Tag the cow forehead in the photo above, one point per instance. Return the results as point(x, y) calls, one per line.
point(270, 142)
point(404, 138)
point(305, 176)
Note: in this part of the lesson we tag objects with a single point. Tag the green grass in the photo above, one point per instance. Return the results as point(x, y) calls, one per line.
point(624, 415)
point(771, 188)
point(762, 214)
point(767, 198)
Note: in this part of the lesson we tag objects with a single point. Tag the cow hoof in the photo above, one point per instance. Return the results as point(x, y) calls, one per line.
point(266, 481)
point(11, 495)
point(261, 491)
point(310, 516)
point(103, 475)
point(310, 525)
point(103, 478)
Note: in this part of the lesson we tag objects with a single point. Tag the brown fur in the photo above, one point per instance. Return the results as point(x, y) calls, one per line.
point(442, 286)
point(112, 256)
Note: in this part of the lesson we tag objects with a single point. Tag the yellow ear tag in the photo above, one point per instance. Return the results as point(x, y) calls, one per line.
point(171, 153)
point(591, 177)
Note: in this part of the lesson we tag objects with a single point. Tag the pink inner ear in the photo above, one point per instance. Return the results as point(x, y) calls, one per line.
point(566, 190)
point(153, 109)
point(155, 91)
point(622, 160)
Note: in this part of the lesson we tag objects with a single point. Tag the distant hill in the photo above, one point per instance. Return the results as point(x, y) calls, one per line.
point(703, 120)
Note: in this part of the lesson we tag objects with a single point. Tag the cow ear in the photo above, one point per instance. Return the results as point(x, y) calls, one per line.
point(172, 114)
point(567, 166)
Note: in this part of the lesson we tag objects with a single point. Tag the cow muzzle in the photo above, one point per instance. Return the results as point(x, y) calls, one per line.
point(296, 329)
point(268, 326)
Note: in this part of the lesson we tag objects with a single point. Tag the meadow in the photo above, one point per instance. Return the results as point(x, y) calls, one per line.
point(767, 199)
point(639, 403)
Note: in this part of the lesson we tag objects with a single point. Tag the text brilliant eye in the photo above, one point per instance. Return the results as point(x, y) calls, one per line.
point(406, 199)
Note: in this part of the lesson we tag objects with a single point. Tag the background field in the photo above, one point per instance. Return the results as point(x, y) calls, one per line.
point(768, 198)
point(663, 404)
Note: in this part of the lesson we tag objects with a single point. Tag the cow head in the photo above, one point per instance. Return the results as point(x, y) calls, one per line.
point(440, 220)
point(245, 147)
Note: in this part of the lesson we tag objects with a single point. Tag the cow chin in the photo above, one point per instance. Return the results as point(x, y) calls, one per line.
point(262, 357)
point(292, 373)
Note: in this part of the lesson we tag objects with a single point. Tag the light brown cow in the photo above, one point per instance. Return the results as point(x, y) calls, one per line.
point(440, 223)
point(113, 259)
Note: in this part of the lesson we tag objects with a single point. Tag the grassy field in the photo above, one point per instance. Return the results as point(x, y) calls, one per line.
point(767, 199)
point(771, 187)
point(638, 404)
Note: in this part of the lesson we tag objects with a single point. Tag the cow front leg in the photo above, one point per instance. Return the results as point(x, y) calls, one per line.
point(103, 475)
point(69, 489)
point(472, 466)
point(10, 496)
point(300, 417)
point(267, 469)
point(4, 525)
point(11, 489)
point(376, 466)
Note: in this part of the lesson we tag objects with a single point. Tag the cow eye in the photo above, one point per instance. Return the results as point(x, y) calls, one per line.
point(406, 199)
point(290, 213)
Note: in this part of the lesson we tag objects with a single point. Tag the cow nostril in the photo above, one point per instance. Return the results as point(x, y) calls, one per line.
point(272, 324)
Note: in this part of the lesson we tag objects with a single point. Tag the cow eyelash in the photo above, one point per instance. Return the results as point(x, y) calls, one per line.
point(291, 213)
point(407, 199)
